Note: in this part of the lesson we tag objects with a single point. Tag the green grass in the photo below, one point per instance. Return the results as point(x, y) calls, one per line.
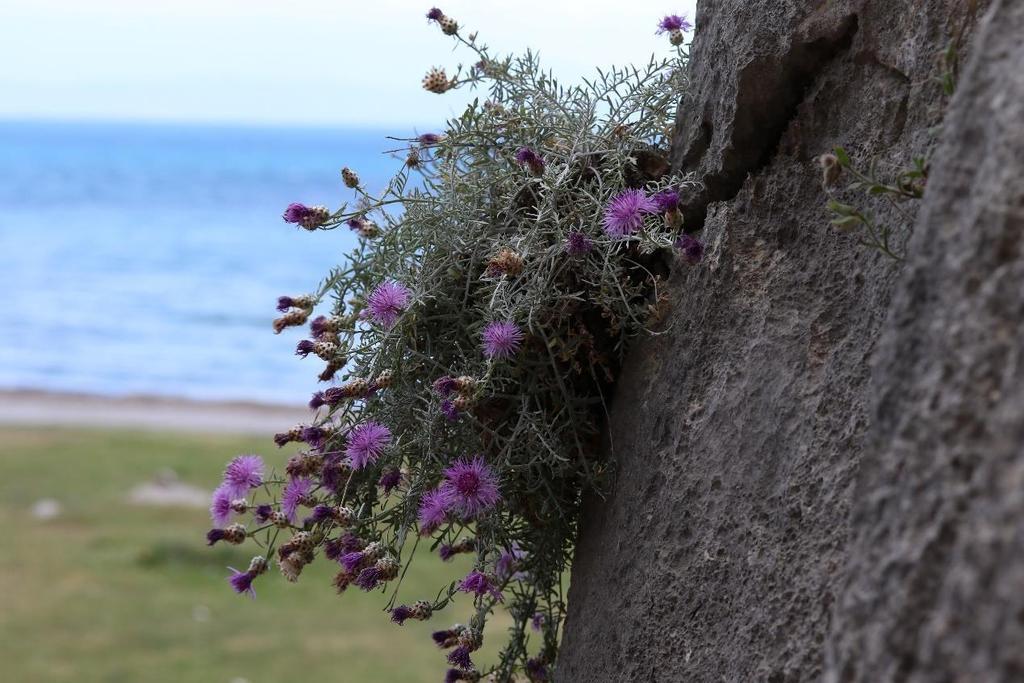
point(111, 591)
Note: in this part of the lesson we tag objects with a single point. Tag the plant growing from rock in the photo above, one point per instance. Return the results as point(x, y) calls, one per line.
point(471, 340)
point(908, 183)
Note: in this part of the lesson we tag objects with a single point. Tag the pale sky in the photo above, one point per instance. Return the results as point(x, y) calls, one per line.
point(330, 62)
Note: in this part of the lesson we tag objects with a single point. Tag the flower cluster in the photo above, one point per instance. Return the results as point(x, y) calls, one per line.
point(471, 342)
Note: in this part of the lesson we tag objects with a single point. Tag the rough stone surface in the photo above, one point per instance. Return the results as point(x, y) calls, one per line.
point(821, 459)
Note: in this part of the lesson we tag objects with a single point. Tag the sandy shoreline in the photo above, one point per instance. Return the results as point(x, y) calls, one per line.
point(155, 413)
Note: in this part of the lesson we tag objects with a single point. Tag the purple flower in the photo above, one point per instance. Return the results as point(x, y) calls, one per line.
point(471, 487)
point(387, 302)
point(285, 302)
point(433, 512)
point(304, 348)
point(295, 493)
point(315, 436)
point(400, 614)
point(435, 14)
point(242, 582)
point(456, 675)
point(446, 638)
point(243, 473)
point(537, 622)
point(335, 472)
point(691, 248)
point(366, 443)
point(445, 385)
point(263, 513)
point(220, 505)
point(449, 410)
point(353, 561)
point(321, 513)
point(317, 400)
point(624, 213)
point(368, 578)
point(536, 670)
point(295, 213)
point(336, 548)
point(460, 657)
point(479, 584)
point(527, 157)
point(508, 563)
point(666, 200)
point(577, 244)
point(214, 535)
point(390, 479)
point(429, 139)
point(674, 22)
point(501, 339)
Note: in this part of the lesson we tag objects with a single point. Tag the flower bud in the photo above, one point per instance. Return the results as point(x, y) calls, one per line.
point(349, 177)
point(436, 81)
point(293, 318)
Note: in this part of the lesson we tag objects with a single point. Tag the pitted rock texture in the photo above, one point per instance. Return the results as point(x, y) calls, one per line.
point(820, 461)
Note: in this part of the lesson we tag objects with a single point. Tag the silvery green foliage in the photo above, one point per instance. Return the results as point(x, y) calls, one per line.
point(477, 236)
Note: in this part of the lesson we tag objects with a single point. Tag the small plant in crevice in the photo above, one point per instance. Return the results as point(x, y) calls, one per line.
point(949, 60)
point(469, 344)
point(907, 184)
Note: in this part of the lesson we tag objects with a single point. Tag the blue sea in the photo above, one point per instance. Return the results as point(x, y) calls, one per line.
point(147, 259)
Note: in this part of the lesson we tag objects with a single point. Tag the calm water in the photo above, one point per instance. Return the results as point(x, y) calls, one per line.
point(138, 259)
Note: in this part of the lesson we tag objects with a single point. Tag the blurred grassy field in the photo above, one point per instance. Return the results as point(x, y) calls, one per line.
point(110, 591)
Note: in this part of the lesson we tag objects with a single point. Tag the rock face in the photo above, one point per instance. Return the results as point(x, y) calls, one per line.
point(820, 461)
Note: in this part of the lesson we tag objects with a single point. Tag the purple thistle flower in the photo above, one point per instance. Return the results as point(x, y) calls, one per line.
point(390, 479)
point(295, 492)
point(433, 512)
point(536, 670)
point(455, 675)
point(429, 139)
point(578, 244)
point(285, 302)
point(691, 248)
point(284, 438)
point(445, 385)
point(315, 436)
point(674, 22)
point(317, 401)
point(666, 200)
point(435, 14)
point(537, 622)
point(446, 638)
point(366, 443)
point(527, 157)
point(304, 348)
point(501, 339)
point(214, 535)
point(624, 214)
point(446, 552)
point(321, 513)
point(263, 513)
point(335, 472)
point(336, 548)
point(242, 582)
point(220, 505)
point(508, 563)
point(400, 614)
point(368, 578)
point(478, 584)
point(353, 561)
point(449, 410)
point(243, 473)
point(460, 657)
point(471, 487)
point(295, 213)
point(387, 302)
point(318, 325)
